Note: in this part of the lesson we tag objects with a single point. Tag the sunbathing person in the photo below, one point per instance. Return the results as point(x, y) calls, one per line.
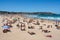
point(30, 20)
point(57, 27)
point(49, 26)
point(49, 36)
point(40, 27)
point(36, 22)
point(6, 28)
point(46, 31)
point(31, 33)
point(18, 25)
point(30, 27)
point(23, 27)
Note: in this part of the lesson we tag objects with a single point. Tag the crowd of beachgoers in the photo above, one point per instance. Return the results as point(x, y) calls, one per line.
point(30, 25)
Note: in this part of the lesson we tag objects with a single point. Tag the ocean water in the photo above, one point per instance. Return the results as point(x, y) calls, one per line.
point(51, 17)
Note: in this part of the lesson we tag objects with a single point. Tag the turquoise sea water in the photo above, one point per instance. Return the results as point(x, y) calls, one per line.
point(51, 17)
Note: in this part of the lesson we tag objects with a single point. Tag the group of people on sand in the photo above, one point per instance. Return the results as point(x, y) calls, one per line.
point(21, 26)
point(6, 28)
point(8, 24)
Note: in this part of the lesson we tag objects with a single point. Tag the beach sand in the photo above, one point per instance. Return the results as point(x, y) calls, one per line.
point(17, 34)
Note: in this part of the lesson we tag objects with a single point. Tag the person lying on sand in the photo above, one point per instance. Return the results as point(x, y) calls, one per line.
point(36, 22)
point(6, 28)
point(31, 33)
point(49, 26)
point(49, 36)
point(46, 31)
point(57, 26)
point(30, 27)
point(21, 26)
point(30, 20)
point(40, 27)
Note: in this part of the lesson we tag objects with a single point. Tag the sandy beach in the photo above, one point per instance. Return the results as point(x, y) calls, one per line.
point(33, 29)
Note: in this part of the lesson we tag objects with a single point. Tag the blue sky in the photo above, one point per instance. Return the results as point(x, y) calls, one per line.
point(30, 5)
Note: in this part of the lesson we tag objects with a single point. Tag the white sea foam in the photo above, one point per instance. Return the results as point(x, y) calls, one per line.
point(44, 17)
point(51, 18)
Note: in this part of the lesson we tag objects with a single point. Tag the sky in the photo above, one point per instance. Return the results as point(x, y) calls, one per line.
point(30, 6)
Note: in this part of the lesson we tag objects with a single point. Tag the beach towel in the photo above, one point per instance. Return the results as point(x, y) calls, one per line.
point(6, 27)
